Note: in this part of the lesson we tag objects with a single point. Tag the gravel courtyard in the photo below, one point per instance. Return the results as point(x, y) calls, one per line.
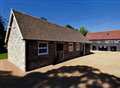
point(108, 62)
point(98, 70)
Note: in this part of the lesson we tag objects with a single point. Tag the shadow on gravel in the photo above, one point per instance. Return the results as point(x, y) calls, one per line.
point(64, 77)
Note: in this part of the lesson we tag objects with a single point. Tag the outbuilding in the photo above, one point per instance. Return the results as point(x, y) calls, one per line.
point(33, 42)
point(105, 41)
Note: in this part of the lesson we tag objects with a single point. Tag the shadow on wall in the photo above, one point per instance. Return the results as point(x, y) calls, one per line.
point(64, 77)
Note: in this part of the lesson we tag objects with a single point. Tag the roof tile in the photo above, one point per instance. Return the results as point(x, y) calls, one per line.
point(33, 28)
point(108, 35)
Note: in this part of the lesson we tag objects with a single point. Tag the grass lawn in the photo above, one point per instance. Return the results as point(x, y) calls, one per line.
point(3, 56)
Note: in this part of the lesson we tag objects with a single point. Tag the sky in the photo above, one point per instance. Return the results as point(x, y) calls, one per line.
point(95, 15)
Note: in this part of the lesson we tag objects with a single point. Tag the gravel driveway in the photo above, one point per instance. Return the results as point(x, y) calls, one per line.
point(98, 70)
point(108, 62)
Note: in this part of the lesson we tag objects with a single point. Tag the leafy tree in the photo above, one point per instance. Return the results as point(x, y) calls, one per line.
point(2, 34)
point(69, 26)
point(1, 25)
point(83, 30)
point(43, 18)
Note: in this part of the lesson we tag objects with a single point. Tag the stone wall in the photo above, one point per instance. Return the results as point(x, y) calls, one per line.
point(16, 46)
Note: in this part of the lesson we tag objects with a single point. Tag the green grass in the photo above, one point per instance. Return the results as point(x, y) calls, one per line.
point(3, 56)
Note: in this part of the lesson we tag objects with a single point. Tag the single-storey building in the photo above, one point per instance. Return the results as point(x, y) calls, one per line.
point(105, 41)
point(33, 42)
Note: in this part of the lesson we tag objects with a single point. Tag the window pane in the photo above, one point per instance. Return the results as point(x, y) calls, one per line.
point(42, 50)
point(42, 45)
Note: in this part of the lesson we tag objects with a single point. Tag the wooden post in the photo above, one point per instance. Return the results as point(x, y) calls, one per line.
point(84, 48)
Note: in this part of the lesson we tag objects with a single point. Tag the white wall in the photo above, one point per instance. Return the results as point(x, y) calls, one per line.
point(16, 47)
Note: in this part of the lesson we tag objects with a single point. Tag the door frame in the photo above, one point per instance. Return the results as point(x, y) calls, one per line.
point(57, 59)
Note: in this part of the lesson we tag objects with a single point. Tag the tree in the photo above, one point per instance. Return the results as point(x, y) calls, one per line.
point(2, 34)
point(69, 26)
point(43, 18)
point(83, 30)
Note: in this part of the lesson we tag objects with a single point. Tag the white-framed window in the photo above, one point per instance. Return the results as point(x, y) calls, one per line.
point(70, 47)
point(77, 46)
point(42, 48)
point(116, 41)
point(111, 41)
point(107, 41)
point(98, 41)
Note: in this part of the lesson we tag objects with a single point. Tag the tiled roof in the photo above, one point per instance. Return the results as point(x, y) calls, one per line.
point(33, 28)
point(107, 35)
